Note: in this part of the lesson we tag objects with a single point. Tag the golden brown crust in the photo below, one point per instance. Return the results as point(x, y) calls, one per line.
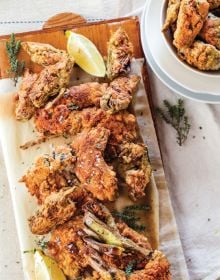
point(202, 56)
point(172, 13)
point(213, 4)
point(120, 51)
point(91, 169)
point(211, 31)
point(190, 20)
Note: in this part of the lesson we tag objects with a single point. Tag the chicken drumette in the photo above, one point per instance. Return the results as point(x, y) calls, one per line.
point(211, 31)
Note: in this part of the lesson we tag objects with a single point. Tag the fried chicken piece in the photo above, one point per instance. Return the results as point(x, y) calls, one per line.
point(119, 93)
point(134, 167)
point(156, 269)
point(213, 4)
point(91, 169)
point(202, 56)
point(55, 75)
point(66, 247)
point(51, 173)
point(120, 52)
point(60, 120)
point(172, 13)
point(190, 20)
point(24, 107)
point(56, 210)
point(211, 31)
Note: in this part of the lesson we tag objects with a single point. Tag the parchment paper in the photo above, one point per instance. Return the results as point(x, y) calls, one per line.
point(13, 134)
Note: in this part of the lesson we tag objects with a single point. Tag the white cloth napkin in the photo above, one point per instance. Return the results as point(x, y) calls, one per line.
point(192, 171)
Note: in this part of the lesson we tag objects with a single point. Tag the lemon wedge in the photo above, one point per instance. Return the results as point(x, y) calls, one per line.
point(46, 268)
point(85, 54)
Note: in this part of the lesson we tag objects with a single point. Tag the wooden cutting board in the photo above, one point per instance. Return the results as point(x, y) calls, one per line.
point(53, 33)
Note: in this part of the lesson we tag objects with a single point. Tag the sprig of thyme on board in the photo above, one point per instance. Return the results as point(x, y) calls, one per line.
point(129, 216)
point(175, 116)
point(16, 66)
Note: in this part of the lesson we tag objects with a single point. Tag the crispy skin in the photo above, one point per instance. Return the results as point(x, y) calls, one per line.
point(51, 173)
point(61, 120)
point(91, 169)
point(156, 269)
point(211, 31)
point(213, 4)
point(81, 96)
point(55, 75)
point(119, 93)
point(120, 51)
point(172, 13)
point(56, 210)
point(66, 246)
point(202, 56)
point(24, 107)
point(134, 167)
point(190, 20)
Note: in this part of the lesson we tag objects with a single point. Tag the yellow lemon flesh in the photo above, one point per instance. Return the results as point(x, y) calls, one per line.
point(85, 54)
point(46, 268)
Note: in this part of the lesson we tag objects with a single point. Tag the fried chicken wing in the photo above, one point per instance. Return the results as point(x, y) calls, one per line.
point(24, 107)
point(134, 167)
point(119, 93)
point(190, 20)
point(56, 210)
point(66, 247)
point(211, 31)
point(55, 75)
point(62, 120)
point(202, 56)
point(91, 169)
point(158, 268)
point(51, 173)
point(172, 13)
point(120, 51)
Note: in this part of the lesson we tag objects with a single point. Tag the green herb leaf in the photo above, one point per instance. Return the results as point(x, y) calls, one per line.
point(175, 116)
point(16, 67)
point(72, 107)
point(130, 267)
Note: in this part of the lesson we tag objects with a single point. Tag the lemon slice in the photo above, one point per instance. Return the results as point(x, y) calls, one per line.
point(85, 54)
point(46, 268)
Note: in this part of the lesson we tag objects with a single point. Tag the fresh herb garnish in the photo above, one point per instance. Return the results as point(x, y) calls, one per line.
point(129, 216)
point(175, 116)
point(130, 267)
point(42, 244)
point(30, 251)
point(16, 67)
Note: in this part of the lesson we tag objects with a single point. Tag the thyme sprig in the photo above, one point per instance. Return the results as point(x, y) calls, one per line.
point(16, 67)
point(175, 116)
point(130, 267)
point(129, 216)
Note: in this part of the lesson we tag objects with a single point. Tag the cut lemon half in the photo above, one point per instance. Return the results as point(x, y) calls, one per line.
point(85, 54)
point(46, 268)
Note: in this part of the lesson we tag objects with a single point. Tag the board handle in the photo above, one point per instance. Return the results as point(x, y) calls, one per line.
point(64, 20)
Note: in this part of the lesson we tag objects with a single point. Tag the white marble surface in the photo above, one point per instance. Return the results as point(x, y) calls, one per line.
point(192, 171)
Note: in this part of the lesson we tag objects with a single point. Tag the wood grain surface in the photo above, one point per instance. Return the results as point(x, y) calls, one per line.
point(98, 32)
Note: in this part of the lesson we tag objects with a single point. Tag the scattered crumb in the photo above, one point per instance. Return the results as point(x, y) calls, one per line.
point(200, 127)
point(194, 137)
point(209, 219)
point(203, 137)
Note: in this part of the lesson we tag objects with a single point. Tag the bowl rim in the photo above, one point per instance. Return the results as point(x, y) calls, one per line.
point(173, 51)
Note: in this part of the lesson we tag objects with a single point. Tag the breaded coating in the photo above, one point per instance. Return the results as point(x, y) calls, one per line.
point(134, 168)
point(80, 96)
point(24, 106)
point(119, 93)
point(65, 247)
point(55, 75)
point(91, 169)
point(202, 56)
point(61, 120)
point(56, 210)
point(172, 13)
point(213, 4)
point(190, 20)
point(211, 31)
point(51, 173)
point(156, 269)
point(120, 52)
